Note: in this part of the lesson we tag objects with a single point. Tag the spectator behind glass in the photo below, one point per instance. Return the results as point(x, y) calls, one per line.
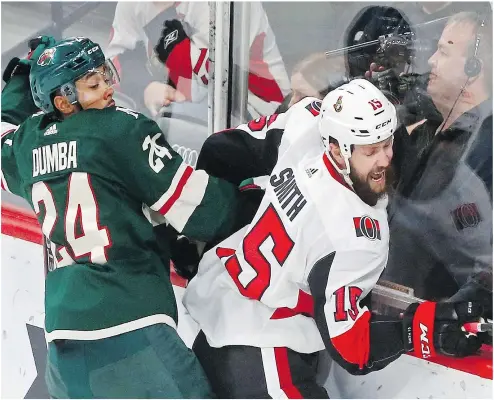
point(441, 214)
point(426, 20)
point(314, 76)
point(135, 29)
point(138, 27)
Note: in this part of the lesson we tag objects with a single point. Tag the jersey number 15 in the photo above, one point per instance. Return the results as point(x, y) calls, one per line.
point(269, 225)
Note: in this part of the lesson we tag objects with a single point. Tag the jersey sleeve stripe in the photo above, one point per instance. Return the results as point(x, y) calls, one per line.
point(305, 306)
point(354, 344)
point(179, 179)
point(189, 199)
point(7, 128)
point(200, 60)
point(271, 374)
point(285, 375)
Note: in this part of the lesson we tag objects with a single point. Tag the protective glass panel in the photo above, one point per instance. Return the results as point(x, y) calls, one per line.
point(420, 55)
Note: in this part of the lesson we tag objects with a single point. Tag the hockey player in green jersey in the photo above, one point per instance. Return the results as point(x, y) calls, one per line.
point(95, 174)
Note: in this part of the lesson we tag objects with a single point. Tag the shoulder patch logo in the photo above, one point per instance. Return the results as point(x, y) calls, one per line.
point(155, 150)
point(466, 216)
point(46, 57)
point(314, 108)
point(367, 227)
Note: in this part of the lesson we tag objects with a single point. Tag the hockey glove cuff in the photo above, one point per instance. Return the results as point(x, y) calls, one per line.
point(186, 256)
point(432, 328)
point(252, 184)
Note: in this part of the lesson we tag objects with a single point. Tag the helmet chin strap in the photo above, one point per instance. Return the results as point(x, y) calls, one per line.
point(344, 172)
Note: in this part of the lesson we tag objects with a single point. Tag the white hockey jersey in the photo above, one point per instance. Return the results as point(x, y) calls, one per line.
point(311, 231)
point(188, 66)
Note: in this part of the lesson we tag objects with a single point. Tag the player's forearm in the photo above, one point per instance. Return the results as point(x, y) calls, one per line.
point(235, 155)
point(374, 348)
point(215, 216)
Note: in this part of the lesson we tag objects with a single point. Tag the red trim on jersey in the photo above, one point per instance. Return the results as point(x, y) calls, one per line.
point(200, 60)
point(261, 81)
point(3, 187)
point(224, 252)
point(335, 174)
point(354, 344)
point(180, 67)
point(305, 306)
point(78, 223)
point(249, 186)
point(284, 373)
point(178, 191)
point(7, 132)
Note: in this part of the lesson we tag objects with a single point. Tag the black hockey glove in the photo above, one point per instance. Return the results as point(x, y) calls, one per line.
point(432, 328)
point(185, 256)
point(172, 35)
point(18, 66)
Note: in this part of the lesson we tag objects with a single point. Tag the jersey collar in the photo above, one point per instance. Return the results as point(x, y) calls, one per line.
point(332, 171)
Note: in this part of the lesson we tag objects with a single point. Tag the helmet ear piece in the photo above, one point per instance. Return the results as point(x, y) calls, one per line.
point(68, 90)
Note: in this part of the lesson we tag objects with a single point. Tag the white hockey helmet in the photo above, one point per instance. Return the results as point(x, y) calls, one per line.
point(355, 113)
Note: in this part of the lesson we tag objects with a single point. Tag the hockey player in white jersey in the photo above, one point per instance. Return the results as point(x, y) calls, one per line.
point(182, 45)
point(297, 279)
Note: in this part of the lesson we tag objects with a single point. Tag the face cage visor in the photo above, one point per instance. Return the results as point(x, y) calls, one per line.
point(107, 71)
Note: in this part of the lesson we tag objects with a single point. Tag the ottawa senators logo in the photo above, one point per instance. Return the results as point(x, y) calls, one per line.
point(47, 57)
point(314, 108)
point(338, 106)
point(367, 227)
point(466, 216)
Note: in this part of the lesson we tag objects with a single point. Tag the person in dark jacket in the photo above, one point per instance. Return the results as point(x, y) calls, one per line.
point(441, 214)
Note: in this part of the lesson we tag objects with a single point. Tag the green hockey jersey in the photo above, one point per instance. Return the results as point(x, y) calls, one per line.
point(93, 181)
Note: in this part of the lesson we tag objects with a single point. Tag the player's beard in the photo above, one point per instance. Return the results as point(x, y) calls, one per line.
point(364, 190)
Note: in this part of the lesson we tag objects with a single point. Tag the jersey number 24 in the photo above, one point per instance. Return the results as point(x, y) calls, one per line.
point(81, 211)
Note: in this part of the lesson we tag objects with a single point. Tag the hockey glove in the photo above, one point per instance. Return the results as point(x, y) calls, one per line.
point(432, 328)
point(172, 35)
point(185, 256)
point(17, 66)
